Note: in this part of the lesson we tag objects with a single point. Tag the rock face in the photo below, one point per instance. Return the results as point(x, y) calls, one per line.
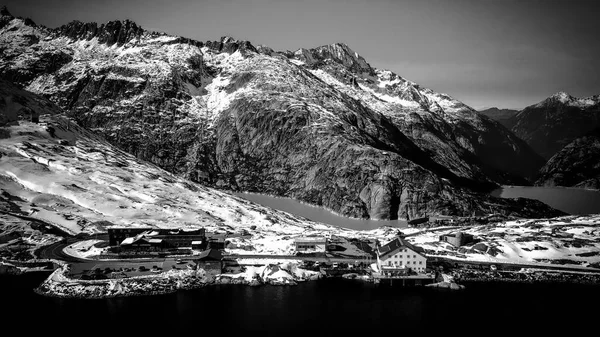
point(553, 123)
point(502, 116)
point(320, 125)
point(577, 164)
point(17, 104)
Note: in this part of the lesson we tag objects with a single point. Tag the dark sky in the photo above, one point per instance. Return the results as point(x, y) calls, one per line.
point(501, 53)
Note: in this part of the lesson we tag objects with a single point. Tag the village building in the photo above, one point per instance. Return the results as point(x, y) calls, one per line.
point(311, 244)
point(216, 241)
point(210, 260)
point(457, 239)
point(399, 257)
point(116, 235)
point(153, 240)
point(418, 221)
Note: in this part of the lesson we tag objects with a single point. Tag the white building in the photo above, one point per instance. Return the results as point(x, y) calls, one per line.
point(400, 257)
point(311, 244)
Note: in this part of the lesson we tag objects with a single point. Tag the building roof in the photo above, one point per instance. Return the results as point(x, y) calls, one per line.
point(457, 234)
point(128, 241)
point(125, 227)
point(396, 244)
point(310, 239)
point(210, 254)
point(134, 239)
point(196, 242)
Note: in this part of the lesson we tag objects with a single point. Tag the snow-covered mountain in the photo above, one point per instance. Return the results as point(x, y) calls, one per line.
point(58, 173)
point(320, 125)
point(551, 124)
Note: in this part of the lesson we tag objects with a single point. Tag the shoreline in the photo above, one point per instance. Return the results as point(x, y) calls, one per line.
point(401, 223)
point(167, 284)
point(524, 277)
point(59, 285)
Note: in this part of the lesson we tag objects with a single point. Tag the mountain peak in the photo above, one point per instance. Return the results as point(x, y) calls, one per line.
point(115, 31)
point(562, 96)
point(338, 52)
point(228, 39)
point(4, 11)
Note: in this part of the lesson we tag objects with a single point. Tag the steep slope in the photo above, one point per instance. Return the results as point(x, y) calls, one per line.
point(556, 121)
point(502, 116)
point(234, 116)
point(577, 164)
point(452, 133)
point(17, 104)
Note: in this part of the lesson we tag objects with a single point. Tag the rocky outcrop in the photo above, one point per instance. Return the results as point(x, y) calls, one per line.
point(114, 32)
point(555, 122)
point(576, 165)
point(229, 45)
point(229, 115)
point(17, 104)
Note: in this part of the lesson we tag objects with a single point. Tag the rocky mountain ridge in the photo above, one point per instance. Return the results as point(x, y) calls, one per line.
point(575, 165)
point(320, 125)
point(553, 123)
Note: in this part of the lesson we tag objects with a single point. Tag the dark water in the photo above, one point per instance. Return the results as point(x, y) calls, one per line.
point(318, 214)
point(569, 200)
point(325, 307)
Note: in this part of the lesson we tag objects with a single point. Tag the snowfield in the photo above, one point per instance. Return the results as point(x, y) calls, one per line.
point(570, 240)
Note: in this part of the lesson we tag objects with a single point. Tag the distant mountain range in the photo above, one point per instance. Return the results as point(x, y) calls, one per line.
point(320, 125)
point(551, 124)
point(502, 116)
point(564, 130)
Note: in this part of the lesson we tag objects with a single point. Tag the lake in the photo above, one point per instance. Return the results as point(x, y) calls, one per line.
point(569, 200)
point(318, 214)
point(325, 307)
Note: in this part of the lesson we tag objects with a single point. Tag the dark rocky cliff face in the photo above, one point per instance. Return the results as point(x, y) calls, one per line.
point(119, 32)
point(237, 117)
point(552, 124)
point(576, 165)
point(17, 104)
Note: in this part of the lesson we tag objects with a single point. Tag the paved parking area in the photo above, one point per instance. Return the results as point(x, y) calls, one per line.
point(127, 268)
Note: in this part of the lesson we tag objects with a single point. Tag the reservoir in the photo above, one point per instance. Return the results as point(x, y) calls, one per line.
point(327, 307)
point(318, 214)
point(570, 200)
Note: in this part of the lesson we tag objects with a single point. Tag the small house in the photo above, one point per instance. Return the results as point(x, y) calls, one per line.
point(457, 239)
point(311, 244)
point(210, 259)
point(401, 257)
point(418, 221)
point(216, 241)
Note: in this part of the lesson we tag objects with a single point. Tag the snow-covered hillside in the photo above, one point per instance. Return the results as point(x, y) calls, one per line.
point(571, 240)
point(62, 174)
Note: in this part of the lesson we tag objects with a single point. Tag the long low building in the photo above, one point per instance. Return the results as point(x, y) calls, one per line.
point(153, 239)
point(311, 244)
